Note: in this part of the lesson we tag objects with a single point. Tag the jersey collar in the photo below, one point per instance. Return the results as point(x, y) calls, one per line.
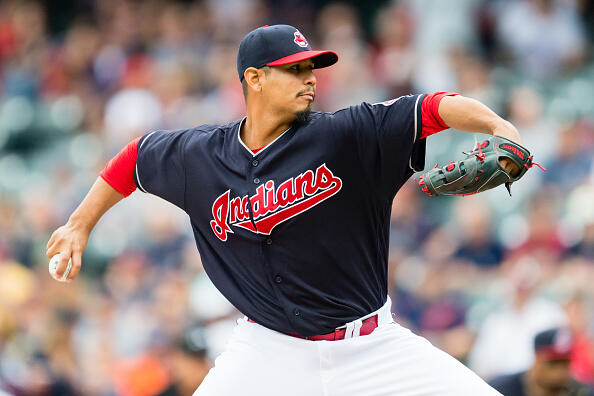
point(263, 148)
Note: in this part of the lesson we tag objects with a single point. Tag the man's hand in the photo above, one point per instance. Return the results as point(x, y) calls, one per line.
point(70, 242)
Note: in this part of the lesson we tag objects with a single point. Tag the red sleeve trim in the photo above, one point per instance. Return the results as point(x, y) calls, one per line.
point(119, 171)
point(432, 121)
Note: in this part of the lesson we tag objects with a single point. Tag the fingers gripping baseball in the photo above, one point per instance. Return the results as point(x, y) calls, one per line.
point(70, 244)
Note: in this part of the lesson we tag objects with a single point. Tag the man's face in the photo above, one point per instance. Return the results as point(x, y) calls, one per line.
point(290, 89)
point(553, 375)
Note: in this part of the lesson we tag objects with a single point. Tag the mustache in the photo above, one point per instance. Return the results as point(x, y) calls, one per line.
point(306, 91)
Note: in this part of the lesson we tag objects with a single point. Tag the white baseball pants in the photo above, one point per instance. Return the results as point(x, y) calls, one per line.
point(390, 361)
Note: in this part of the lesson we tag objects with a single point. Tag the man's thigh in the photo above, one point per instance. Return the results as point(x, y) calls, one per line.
point(258, 361)
point(394, 361)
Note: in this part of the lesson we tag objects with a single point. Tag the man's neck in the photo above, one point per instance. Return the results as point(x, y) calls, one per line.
point(260, 128)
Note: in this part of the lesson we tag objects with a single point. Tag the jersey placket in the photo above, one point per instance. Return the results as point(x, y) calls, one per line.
point(255, 176)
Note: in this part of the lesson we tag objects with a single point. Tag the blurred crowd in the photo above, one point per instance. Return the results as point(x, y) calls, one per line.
point(478, 276)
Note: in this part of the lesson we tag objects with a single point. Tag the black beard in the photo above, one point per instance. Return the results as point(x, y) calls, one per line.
point(303, 117)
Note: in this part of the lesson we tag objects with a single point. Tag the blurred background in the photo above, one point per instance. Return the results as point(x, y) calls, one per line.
point(478, 276)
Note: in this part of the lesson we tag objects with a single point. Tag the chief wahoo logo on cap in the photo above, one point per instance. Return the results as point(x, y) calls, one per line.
point(300, 39)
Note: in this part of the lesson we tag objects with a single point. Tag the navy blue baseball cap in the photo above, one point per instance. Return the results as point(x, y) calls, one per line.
point(278, 45)
point(554, 344)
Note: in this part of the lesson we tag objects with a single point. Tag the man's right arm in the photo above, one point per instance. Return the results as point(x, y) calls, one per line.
point(153, 162)
point(116, 181)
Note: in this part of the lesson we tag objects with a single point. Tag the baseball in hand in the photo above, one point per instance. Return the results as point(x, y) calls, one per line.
point(53, 266)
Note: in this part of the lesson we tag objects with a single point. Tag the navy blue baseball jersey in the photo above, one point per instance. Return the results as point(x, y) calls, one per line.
point(296, 235)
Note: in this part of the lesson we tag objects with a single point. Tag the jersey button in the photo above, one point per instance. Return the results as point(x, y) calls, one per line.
point(278, 279)
point(268, 241)
point(297, 312)
point(255, 162)
point(256, 181)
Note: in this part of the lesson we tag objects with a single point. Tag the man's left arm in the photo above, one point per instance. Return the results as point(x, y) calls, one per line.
point(470, 115)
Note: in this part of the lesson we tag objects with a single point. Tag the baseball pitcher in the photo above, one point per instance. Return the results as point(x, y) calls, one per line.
point(290, 209)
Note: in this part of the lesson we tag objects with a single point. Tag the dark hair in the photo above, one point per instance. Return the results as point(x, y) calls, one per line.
point(244, 88)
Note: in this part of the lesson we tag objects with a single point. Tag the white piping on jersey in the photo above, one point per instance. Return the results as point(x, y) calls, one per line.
point(137, 174)
point(263, 148)
point(415, 137)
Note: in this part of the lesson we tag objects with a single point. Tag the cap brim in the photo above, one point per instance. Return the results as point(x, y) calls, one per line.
point(319, 58)
point(552, 354)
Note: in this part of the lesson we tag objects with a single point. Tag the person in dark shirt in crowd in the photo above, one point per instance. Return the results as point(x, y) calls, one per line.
point(550, 374)
point(187, 363)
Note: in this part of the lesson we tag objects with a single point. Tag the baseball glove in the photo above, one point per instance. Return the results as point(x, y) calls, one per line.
point(479, 171)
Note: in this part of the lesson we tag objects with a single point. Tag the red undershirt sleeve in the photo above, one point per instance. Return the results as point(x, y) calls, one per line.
point(432, 122)
point(119, 171)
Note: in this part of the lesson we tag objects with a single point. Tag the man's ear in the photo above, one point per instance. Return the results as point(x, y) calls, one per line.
point(253, 77)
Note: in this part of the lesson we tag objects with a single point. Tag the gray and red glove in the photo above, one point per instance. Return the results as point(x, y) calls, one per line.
point(479, 171)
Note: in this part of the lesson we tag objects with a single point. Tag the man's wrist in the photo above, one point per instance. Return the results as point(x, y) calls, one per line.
point(80, 223)
point(507, 130)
